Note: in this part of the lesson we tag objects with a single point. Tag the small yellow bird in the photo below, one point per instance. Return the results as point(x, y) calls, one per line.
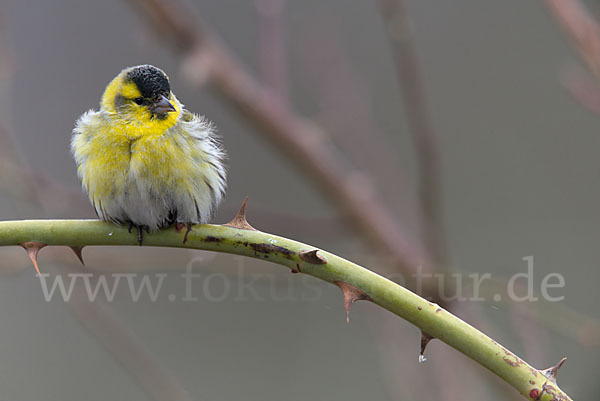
point(145, 160)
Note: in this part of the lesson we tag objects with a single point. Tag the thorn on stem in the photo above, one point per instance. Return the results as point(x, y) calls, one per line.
point(425, 339)
point(239, 221)
point(552, 372)
point(312, 257)
point(351, 295)
point(32, 248)
point(78, 252)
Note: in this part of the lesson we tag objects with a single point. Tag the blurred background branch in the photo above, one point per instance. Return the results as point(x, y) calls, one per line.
point(582, 29)
point(115, 335)
point(584, 32)
point(207, 59)
point(399, 32)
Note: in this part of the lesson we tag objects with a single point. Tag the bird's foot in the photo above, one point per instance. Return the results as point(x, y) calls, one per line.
point(140, 234)
point(140, 231)
point(180, 226)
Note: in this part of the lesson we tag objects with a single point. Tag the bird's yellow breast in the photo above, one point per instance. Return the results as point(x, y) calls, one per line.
point(117, 160)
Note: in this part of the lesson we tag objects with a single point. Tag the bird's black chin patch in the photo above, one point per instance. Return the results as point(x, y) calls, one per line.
point(158, 116)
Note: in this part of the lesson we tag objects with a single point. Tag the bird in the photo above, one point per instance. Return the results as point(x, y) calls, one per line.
point(146, 161)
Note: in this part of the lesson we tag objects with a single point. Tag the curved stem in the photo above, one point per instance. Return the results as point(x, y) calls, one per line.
point(356, 282)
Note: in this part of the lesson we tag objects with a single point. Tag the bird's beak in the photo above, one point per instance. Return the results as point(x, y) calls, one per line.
point(162, 106)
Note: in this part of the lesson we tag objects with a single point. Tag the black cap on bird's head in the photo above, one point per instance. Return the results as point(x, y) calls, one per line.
point(151, 81)
point(153, 85)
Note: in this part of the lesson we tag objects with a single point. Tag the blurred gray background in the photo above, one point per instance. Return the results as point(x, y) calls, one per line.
point(520, 178)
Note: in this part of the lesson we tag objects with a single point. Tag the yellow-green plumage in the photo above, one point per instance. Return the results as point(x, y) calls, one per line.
point(142, 164)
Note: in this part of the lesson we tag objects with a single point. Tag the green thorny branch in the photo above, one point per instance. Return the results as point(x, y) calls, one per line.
point(356, 283)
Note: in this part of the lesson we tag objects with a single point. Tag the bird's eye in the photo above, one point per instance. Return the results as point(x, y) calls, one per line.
point(139, 100)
